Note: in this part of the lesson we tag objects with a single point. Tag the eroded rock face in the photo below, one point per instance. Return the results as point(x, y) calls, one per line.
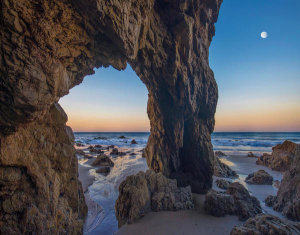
point(288, 196)
point(143, 192)
point(281, 158)
point(236, 201)
point(265, 225)
point(38, 179)
point(47, 47)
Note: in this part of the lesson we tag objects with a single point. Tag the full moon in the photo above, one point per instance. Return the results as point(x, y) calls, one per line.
point(264, 34)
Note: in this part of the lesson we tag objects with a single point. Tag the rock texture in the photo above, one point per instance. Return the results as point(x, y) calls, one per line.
point(103, 160)
point(281, 158)
point(259, 177)
point(223, 184)
point(236, 201)
point(143, 192)
point(48, 47)
point(222, 170)
point(40, 191)
point(288, 195)
point(265, 225)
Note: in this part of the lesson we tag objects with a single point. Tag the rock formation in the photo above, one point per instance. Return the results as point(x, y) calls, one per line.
point(223, 184)
point(281, 158)
point(265, 225)
point(220, 154)
point(236, 201)
point(38, 179)
point(48, 47)
point(143, 192)
point(222, 170)
point(288, 195)
point(259, 177)
point(250, 154)
point(103, 160)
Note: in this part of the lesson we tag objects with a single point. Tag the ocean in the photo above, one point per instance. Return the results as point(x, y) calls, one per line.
point(229, 142)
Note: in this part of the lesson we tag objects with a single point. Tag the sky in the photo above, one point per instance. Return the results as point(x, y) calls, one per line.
point(258, 78)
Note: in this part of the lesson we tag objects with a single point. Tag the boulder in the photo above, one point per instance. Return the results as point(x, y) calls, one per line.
point(122, 137)
point(259, 177)
point(133, 141)
point(220, 154)
point(235, 201)
point(222, 170)
point(114, 151)
point(103, 170)
point(98, 146)
point(103, 160)
point(250, 154)
point(223, 184)
point(287, 199)
point(266, 225)
point(96, 150)
point(148, 191)
point(281, 158)
point(100, 138)
point(80, 145)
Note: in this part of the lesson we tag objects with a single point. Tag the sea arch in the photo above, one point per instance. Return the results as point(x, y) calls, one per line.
point(48, 47)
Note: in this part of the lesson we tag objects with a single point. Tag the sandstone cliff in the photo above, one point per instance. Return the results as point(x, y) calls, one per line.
point(47, 47)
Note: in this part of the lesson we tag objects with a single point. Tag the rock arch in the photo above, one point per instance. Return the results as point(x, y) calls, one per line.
point(47, 47)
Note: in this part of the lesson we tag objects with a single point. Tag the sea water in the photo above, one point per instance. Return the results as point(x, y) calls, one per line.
point(230, 142)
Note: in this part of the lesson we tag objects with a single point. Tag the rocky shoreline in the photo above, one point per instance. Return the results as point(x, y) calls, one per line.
point(239, 185)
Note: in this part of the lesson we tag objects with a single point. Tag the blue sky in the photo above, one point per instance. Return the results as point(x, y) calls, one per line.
point(258, 79)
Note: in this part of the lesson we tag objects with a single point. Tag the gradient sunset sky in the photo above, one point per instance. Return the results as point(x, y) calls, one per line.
point(258, 79)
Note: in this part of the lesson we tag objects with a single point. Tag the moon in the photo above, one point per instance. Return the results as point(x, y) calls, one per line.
point(264, 34)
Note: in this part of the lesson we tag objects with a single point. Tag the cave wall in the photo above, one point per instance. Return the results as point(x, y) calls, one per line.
point(47, 47)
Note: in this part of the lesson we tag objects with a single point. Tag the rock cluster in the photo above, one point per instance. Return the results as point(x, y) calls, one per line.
point(147, 191)
point(259, 177)
point(287, 199)
point(281, 158)
point(235, 201)
point(222, 170)
point(265, 225)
